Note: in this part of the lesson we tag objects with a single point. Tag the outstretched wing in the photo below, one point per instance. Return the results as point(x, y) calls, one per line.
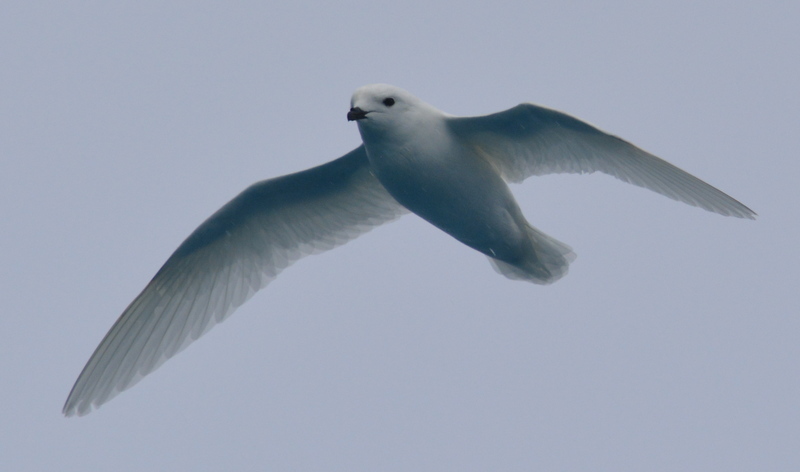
point(234, 253)
point(532, 140)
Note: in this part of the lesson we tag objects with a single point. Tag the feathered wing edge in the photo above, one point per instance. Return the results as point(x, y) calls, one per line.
point(233, 254)
point(532, 140)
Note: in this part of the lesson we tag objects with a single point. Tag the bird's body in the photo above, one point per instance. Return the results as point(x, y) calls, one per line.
point(451, 171)
point(453, 188)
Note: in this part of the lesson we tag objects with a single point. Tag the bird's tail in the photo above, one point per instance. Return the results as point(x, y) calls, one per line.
point(547, 261)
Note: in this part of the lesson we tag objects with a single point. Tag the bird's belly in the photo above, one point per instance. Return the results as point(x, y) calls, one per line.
point(466, 200)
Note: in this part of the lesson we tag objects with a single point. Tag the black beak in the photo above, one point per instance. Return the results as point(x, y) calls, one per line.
point(356, 114)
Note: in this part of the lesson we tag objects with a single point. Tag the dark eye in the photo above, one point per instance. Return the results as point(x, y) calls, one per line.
point(388, 101)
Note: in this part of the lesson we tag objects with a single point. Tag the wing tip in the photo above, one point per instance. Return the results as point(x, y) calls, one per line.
point(73, 408)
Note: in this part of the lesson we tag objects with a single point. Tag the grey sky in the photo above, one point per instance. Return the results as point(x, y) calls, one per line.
point(671, 345)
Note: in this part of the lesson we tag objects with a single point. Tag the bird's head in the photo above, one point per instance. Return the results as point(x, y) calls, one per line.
point(380, 109)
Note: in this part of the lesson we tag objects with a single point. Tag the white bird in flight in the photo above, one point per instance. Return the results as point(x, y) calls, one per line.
point(451, 171)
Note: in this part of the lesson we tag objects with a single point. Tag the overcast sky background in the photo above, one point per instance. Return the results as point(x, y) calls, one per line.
point(671, 345)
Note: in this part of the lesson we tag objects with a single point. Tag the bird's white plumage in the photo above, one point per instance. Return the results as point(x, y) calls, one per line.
point(449, 170)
